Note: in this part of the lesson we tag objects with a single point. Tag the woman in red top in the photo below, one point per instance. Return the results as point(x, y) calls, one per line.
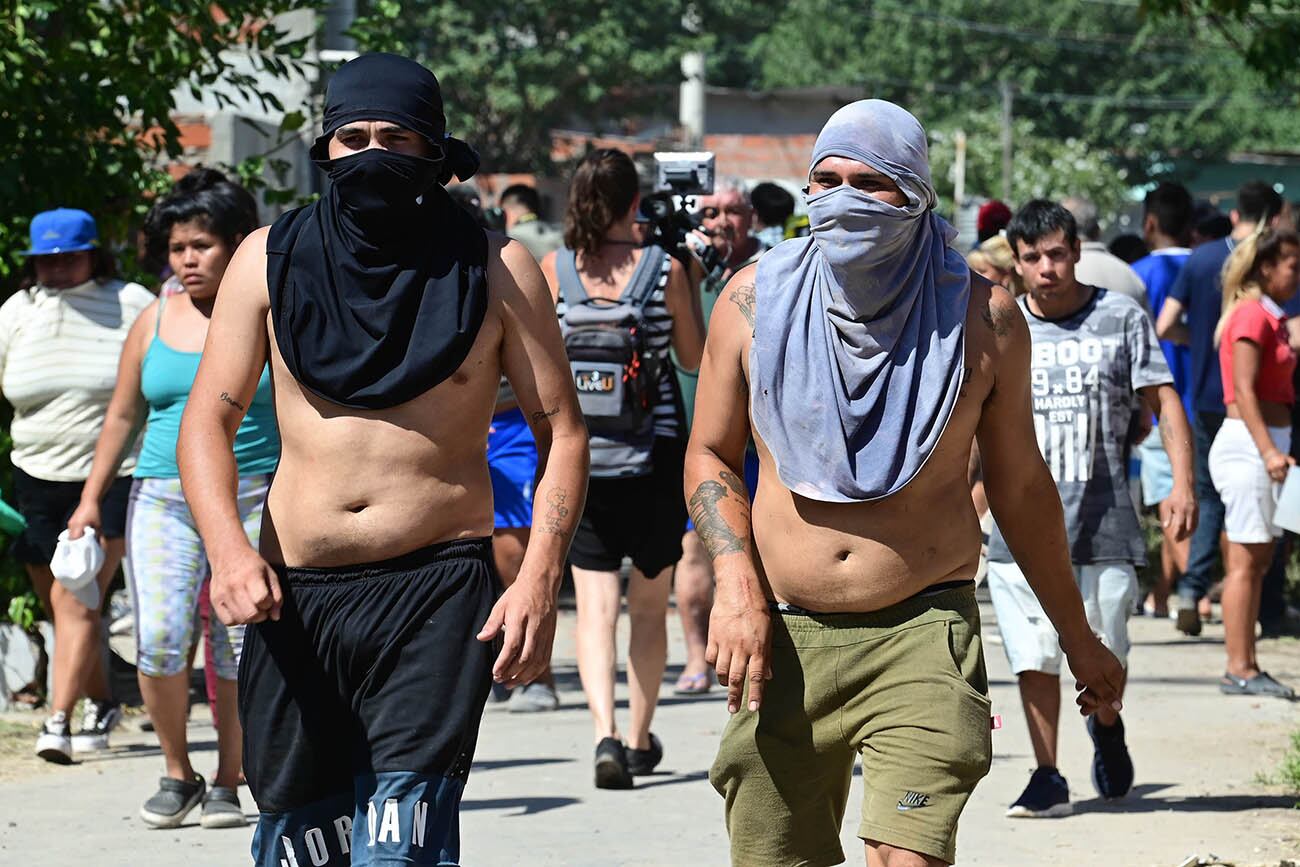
point(1250, 455)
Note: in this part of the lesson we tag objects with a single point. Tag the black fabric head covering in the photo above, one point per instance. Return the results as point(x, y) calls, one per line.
point(377, 297)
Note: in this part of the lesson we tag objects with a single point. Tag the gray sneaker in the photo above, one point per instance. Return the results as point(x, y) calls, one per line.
point(101, 717)
point(172, 802)
point(221, 809)
point(533, 698)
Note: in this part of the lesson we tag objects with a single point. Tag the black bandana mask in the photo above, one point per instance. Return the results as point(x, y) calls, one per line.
point(380, 186)
point(379, 288)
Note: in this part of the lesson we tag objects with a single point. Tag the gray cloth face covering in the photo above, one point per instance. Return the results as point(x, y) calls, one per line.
point(859, 337)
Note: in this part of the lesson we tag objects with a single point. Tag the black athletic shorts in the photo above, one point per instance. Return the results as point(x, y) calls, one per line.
point(642, 517)
point(47, 506)
point(361, 708)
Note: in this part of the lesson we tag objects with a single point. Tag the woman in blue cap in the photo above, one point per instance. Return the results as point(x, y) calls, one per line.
point(60, 338)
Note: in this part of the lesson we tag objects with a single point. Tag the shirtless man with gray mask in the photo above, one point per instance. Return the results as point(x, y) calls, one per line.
point(865, 360)
point(388, 317)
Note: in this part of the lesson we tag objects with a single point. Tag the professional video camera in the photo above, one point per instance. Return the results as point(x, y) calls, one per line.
point(679, 177)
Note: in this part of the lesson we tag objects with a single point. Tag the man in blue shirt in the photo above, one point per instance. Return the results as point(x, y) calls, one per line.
point(1166, 227)
point(1189, 317)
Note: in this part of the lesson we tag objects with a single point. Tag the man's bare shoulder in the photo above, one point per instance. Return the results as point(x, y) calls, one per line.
point(511, 268)
point(739, 299)
point(993, 312)
point(245, 277)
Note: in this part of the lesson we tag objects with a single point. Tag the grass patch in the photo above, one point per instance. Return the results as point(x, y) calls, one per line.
point(1289, 772)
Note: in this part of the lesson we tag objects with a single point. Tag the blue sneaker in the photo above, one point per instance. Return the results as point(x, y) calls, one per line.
point(1112, 769)
point(1046, 796)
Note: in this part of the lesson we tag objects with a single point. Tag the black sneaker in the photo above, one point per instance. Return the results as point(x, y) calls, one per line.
point(1112, 768)
point(1046, 796)
point(172, 802)
point(642, 762)
point(100, 718)
point(54, 744)
point(1188, 621)
point(611, 765)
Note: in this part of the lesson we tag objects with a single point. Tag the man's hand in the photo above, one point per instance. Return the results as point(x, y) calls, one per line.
point(1098, 676)
point(526, 613)
point(86, 515)
point(1178, 512)
point(245, 589)
point(740, 646)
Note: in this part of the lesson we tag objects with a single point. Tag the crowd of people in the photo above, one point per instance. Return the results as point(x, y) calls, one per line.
point(352, 463)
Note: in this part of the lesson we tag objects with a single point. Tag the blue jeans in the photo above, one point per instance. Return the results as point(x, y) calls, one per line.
point(1204, 552)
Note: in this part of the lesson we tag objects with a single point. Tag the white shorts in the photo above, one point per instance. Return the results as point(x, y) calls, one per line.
point(1157, 472)
point(1108, 589)
point(1238, 473)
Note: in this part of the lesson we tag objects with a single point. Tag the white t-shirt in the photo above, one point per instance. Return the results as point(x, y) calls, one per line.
point(59, 351)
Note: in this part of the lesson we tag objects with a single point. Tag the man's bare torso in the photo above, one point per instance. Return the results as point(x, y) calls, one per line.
point(356, 486)
point(866, 556)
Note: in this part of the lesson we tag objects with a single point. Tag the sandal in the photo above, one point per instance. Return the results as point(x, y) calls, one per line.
point(693, 684)
point(1261, 684)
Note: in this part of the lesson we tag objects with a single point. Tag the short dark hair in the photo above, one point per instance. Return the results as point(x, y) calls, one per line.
point(772, 203)
point(1128, 247)
point(602, 192)
point(204, 195)
point(1171, 204)
point(1038, 219)
point(523, 195)
point(1258, 202)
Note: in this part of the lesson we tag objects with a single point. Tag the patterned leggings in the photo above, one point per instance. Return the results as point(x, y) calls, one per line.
point(167, 567)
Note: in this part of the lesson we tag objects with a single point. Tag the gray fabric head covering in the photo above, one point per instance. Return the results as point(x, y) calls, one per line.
point(859, 336)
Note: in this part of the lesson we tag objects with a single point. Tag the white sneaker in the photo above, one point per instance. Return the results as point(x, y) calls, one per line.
point(100, 719)
point(54, 745)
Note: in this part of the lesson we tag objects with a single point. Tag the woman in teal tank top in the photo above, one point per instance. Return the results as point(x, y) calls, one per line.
point(198, 226)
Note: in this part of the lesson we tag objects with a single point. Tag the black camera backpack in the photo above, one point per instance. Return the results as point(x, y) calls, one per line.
point(614, 369)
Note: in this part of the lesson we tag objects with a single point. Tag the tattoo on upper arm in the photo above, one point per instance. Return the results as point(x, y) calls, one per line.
point(557, 511)
point(734, 482)
point(712, 528)
point(226, 398)
point(743, 297)
point(543, 415)
point(998, 317)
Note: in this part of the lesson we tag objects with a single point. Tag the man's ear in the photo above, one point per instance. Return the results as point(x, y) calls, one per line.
point(1150, 225)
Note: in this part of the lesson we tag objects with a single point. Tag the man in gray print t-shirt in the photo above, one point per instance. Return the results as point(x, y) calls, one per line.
point(1093, 351)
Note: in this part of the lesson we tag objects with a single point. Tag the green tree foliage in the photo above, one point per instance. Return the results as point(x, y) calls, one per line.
point(1264, 32)
point(512, 72)
point(86, 96)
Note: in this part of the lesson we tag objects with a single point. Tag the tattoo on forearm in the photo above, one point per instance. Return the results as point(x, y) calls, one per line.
point(557, 512)
point(544, 414)
point(743, 297)
point(713, 529)
point(226, 398)
point(736, 483)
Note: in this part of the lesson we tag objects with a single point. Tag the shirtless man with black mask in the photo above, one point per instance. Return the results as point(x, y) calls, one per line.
point(388, 318)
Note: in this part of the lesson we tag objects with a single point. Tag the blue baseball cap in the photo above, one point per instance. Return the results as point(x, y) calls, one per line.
point(63, 230)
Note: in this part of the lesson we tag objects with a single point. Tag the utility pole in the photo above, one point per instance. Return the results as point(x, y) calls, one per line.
point(959, 174)
point(690, 100)
point(1005, 87)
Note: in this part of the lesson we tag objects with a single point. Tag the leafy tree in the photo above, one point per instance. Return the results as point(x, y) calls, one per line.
point(1264, 32)
point(511, 73)
point(87, 93)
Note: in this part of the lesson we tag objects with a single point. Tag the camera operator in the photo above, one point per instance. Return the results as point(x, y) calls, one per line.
point(726, 223)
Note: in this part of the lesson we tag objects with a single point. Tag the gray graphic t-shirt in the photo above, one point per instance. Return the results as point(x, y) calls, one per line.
point(1085, 372)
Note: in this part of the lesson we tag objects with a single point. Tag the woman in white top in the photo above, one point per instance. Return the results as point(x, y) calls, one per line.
point(60, 338)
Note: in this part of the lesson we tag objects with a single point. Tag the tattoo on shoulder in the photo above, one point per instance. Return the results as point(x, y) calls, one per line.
point(226, 398)
point(557, 511)
point(743, 297)
point(544, 414)
point(999, 317)
point(712, 528)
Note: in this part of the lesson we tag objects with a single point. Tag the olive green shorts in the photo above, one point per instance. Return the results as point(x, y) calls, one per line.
point(904, 688)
